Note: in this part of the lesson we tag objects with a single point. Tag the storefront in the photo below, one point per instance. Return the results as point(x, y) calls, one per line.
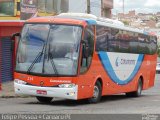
point(9, 9)
point(33, 8)
point(7, 53)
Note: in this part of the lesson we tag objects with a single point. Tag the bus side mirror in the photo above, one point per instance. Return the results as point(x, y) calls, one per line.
point(85, 51)
point(15, 35)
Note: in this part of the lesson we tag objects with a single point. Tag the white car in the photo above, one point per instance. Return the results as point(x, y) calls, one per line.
point(158, 67)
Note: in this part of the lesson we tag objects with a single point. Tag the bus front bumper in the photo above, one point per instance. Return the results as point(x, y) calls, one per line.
point(68, 93)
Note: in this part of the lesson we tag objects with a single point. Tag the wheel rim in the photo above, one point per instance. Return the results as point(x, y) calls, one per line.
point(96, 92)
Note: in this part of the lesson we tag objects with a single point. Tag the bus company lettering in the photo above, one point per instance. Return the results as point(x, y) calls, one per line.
point(123, 61)
point(61, 81)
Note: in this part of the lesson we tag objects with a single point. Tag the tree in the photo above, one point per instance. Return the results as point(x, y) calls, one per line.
point(154, 18)
point(125, 22)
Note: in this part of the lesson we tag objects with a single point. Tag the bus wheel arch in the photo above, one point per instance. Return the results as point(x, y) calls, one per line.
point(142, 80)
point(139, 89)
point(99, 79)
point(97, 91)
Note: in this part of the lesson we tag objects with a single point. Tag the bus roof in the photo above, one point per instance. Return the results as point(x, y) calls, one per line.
point(62, 19)
point(80, 18)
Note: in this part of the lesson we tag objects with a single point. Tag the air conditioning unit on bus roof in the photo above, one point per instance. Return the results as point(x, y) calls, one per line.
point(90, 16)
point(83, 15)
point(110, 21)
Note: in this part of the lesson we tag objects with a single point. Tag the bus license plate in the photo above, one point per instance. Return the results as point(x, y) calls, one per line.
point(42, 92)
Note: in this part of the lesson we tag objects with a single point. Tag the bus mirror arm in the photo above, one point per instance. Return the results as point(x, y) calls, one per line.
point(15, 35)
point(13, 38)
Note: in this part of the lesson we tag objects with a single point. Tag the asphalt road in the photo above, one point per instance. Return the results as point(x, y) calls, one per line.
point(149, 102)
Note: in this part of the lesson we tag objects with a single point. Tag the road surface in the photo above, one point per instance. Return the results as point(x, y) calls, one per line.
point(149, 102)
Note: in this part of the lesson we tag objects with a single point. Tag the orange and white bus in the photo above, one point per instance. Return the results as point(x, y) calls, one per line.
point(79, 56)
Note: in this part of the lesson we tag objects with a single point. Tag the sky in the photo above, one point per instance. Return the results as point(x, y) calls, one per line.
point(141, 6)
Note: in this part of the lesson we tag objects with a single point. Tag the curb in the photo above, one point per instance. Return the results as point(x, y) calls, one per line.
point(8, 96)
point(14, 96)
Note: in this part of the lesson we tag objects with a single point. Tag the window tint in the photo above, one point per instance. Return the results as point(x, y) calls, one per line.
point(124, 45)
point(153, 44)
point(107, 39)
point(133, 42)
point(89, 40)
point(113, 40)
point(116, 40)
point(102, 38)
point(142, 47)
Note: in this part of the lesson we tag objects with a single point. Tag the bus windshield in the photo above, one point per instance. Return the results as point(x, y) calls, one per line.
point(49, 49)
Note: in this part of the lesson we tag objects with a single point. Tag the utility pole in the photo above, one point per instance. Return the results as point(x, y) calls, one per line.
point(88, 6)
point(102, 9)
point(123, 8)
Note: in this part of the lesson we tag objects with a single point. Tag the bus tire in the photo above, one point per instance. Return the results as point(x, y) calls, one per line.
point(138, 92)
point(44, 99)
point(97, 93)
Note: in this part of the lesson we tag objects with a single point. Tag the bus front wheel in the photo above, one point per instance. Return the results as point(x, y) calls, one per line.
point(138, 92)
point(97, 93)
point(44, 99)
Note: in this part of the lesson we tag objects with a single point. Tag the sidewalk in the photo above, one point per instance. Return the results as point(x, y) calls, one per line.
point(7, 90)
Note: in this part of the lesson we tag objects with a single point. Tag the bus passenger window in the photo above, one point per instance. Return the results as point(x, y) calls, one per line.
point(133, 42)
point(153, 45)
point(124, 42)
point(102, 38)
point(143, 44)
point(113, 40)
point(89, 40)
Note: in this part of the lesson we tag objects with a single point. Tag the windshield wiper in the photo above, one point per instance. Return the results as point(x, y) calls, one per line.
point(53, 64)
point(35, 60)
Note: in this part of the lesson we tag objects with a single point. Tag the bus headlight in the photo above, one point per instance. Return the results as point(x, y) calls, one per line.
point(67, 85)
point(20, 82)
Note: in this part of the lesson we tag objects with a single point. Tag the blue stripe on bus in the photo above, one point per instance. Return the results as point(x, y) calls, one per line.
point(146, 33)
point(91, 22)
point(109, 69)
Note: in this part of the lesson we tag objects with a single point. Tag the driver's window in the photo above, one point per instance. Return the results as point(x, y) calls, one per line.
point(89, 42)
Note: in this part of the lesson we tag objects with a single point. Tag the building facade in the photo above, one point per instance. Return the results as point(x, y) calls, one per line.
point(9, 9)
point(107, 6)
point(30, 8)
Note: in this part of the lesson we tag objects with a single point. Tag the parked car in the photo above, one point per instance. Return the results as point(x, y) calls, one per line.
point(158, 67)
